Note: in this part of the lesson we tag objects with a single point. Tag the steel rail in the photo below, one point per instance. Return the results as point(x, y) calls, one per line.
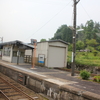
point(17, 89)
point(4, 95)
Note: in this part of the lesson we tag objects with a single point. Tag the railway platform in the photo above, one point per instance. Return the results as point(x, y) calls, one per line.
point(62, 79)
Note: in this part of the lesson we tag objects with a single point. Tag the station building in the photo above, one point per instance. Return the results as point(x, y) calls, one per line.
point(48, 53)
point(51, 53)
point(14, 51)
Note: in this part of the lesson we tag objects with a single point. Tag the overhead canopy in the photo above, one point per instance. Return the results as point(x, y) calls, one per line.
point(17, 43)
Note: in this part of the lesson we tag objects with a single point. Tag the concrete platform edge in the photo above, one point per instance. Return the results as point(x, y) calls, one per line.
point(55, 91)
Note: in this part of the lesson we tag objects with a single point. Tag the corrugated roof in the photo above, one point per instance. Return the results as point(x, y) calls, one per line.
point(17, 42)
point(59, 40)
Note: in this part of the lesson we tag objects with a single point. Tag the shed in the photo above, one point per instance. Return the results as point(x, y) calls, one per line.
point(14, 51)
point(52, 53)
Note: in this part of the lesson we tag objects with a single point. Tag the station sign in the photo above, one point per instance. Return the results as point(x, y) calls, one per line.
point(33, 41)
point(41, 58)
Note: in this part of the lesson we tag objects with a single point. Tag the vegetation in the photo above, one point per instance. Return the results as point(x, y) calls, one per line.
point(84, 74)
point(64, 33)
point(96, 78)
point(86, 58)
point(87, 39)
point(87, 46)
point(42, 40)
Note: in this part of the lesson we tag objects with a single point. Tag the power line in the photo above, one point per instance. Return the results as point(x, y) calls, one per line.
point(49, 20)
point(85, 10)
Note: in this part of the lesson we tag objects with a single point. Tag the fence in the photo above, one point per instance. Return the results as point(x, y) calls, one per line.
point(28, 59)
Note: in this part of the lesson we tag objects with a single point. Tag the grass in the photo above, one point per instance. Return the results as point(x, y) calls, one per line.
point(85, 58)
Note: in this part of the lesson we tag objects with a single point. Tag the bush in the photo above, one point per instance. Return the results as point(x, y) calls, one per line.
point(83, 53)
point(95, 52)
point(85, 74)
point(96, 78)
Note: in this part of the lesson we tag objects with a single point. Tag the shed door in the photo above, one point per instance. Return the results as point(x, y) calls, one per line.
point(56, 56)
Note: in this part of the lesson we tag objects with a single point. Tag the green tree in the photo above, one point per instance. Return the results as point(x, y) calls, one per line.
point(90, 48)
point(42, 40)
point(91, 42)
point(70, 47)
point(89, 29)
point(64, 33)
point(98, 48)
point(79, 45)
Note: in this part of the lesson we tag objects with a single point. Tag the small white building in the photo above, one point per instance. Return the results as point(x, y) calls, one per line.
point(14, 51)
point(52, 53)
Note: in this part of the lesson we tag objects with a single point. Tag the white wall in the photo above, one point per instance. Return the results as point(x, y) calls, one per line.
point(66, 55)
point(0, 53)
point(59, 45)
point(7, 58)
point(21, 58)
point(56, 56)
point(10, 58)
point(42, 48)
point(28, 52)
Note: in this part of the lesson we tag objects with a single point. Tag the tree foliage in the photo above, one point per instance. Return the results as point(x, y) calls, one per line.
point(63, 33)
point(79, 45)
point(42, 40)
point(84, 39)
point(91, 42)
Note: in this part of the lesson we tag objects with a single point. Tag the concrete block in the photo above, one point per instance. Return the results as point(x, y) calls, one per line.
point(49, 85)
point(38, 84)
point(32, 82)
point(14, 75)
point(91, 96)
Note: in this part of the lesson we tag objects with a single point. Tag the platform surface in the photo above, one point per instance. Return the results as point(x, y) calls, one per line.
point(58, 77)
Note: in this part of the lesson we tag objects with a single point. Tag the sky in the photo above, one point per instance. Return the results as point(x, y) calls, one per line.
point(36, 19)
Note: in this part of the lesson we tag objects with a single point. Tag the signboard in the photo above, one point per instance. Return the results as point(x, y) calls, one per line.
point(33, 41)
point(41, 58)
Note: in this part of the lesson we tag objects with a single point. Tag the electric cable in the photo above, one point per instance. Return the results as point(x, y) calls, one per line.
point(49, 20)
point(85, 10)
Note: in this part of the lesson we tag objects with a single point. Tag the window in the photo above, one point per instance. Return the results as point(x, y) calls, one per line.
point(14, 53)
point(21, 54)
point(6, 51)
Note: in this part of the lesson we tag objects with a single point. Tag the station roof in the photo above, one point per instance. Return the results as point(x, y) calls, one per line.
point(58, 40)
point(17, 43)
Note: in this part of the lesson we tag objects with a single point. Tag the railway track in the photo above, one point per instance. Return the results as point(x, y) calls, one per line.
point(8, 91)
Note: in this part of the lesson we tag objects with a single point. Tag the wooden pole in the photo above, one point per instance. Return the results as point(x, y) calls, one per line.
point(34, 54)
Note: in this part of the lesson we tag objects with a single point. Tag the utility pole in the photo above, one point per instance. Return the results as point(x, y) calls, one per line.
point(74, 37)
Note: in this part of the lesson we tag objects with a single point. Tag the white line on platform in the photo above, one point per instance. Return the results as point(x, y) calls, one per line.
point(59, 82)
point(24, 70)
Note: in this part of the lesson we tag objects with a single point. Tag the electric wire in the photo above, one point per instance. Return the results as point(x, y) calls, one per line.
point(49, 20)
point(85, 10)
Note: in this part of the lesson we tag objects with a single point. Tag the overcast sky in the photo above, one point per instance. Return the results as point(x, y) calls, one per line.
point(36, 19)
